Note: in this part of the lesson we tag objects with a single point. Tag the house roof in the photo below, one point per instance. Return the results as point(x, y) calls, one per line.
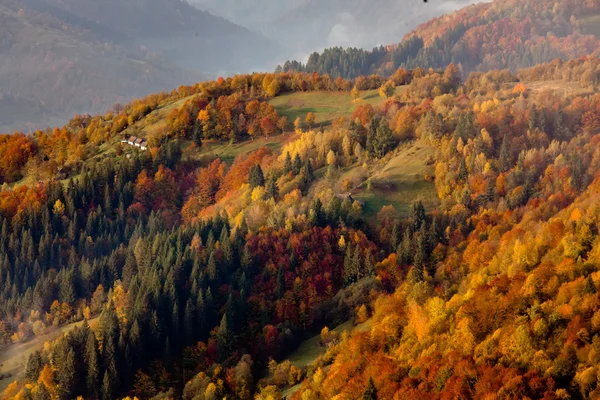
point(139, 141)
point(132, 139)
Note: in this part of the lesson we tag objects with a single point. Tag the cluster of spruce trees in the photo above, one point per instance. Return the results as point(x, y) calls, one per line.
point(72, 243)
point(412, 53)
point(182, 284)
point(338, 62)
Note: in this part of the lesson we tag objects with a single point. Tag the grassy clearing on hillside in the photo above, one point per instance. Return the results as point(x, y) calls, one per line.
point(327, 106)
point(157, 120)
point(13, 360)
point(309, 350)
point(154, 121)
point(227, 152)
point(559, 86)
point(400, 182)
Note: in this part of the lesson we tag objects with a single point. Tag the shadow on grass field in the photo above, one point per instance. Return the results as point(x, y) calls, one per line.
point(13, 359)
point(327, 106)
point(309, 350)
point(401, 182)
point(227, 152)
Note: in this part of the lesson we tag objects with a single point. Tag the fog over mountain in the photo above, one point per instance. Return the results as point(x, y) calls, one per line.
point(62, 57)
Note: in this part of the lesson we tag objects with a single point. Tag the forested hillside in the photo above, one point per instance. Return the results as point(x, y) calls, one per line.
point(501, 34)
point(444, 222)
point(225, 264)
point(504, 302)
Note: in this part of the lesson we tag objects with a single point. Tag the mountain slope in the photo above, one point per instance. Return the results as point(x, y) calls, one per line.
point(183, 33)
point(503, 34)
point(58, 61)
point(510, 34)
point(211, 255)
point(50, 70)
point(233, 238)
point(254, 14)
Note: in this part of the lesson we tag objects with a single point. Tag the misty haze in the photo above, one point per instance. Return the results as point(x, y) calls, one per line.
point(61, 58)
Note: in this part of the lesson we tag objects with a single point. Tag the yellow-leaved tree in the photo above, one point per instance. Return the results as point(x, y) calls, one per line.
point(387, 90)
point(310, 119)
point(331, 158)
point(355, 93)
point(59, 208)
point(270, 392)
point(298, 125)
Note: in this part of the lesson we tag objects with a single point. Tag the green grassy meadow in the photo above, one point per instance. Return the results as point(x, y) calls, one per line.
point(400, 182)
point(227, 152)
point(327, 106)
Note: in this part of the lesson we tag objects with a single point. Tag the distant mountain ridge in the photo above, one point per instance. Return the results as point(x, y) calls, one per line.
point(62, 57)
point(506, 34)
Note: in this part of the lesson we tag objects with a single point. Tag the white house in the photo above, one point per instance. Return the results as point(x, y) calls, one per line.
point(136, 142)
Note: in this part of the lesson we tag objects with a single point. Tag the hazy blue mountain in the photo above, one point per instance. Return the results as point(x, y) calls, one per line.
point(61, 57)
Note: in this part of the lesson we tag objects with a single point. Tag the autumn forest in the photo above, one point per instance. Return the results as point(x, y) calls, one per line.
point(419, 221)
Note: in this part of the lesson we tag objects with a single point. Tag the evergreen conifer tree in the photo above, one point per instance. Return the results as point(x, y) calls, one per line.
point(297, 164)
point(93, 366)
point(256, 177)
point(371, 391)
point(280, 283)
